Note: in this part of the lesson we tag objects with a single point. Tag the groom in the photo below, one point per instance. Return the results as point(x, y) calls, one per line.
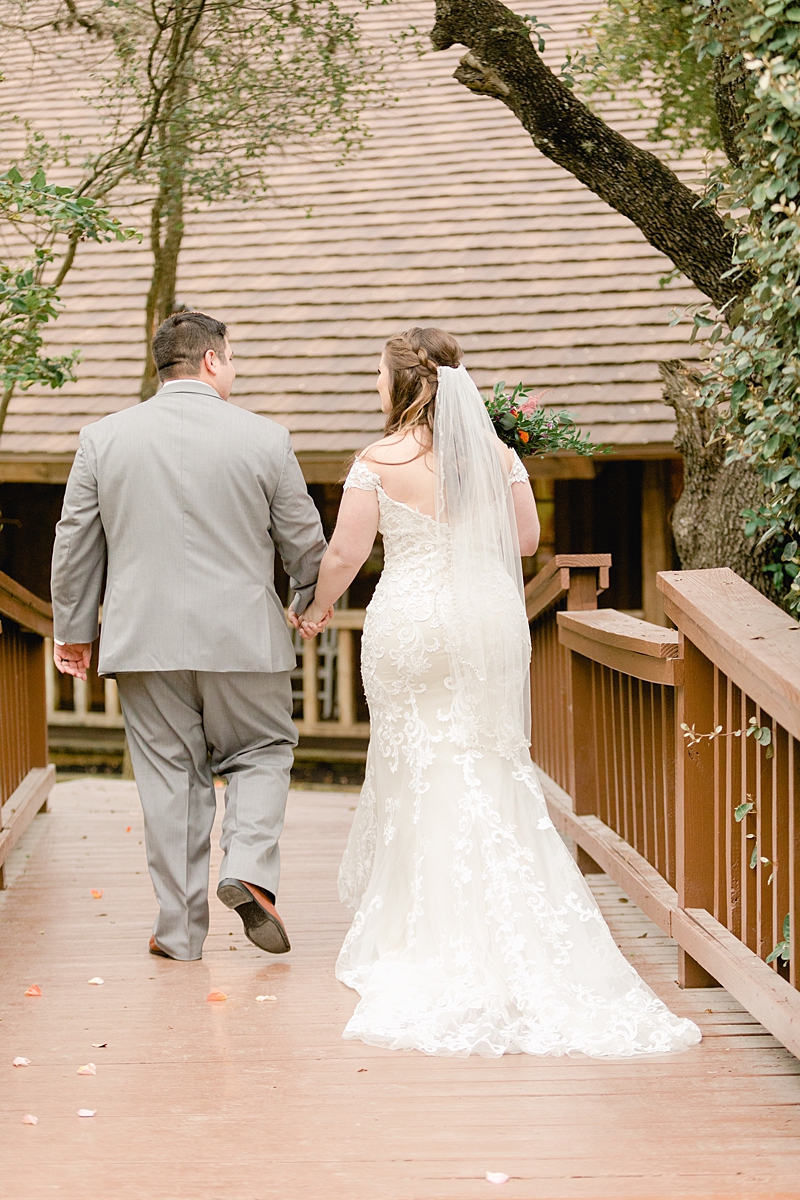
point(177, 506)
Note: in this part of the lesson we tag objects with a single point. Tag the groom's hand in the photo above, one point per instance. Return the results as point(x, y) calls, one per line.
point(312, 621)
point(73, 658)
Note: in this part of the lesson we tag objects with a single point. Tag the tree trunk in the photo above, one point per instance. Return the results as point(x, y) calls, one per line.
point(5, 401)
point(707, 520)
point(503, 63)
point(166, 236)
point(166, 218)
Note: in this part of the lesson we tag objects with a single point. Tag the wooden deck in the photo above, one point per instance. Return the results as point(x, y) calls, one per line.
point(243, 1100)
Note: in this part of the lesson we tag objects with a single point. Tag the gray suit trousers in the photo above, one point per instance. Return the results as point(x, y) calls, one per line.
point(183, 727)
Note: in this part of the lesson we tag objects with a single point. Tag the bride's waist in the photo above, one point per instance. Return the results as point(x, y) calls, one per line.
point(416, 566)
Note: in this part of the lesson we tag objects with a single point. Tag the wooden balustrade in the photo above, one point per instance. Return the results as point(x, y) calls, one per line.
point(95, 703)
point(571, 582)
point(343, 721)
point(25, 777)
point(701, 831)
point(742, 664)
point(623, 676)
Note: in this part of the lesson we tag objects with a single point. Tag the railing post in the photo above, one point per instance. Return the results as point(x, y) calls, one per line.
point(111, 699)
point(310, 685)
point(37, 702)
point(582, 597)
point(583, 588)
point(344, 678)
point(694, 800)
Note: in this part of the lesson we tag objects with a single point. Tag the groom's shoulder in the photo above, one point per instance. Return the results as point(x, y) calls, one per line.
point(112, 423)
point(256, 428)
point(255, 423)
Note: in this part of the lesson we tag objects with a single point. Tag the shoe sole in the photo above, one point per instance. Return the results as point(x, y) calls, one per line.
point(260, 928)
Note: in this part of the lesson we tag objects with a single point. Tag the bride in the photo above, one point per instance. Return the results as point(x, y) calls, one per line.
point(474, 931)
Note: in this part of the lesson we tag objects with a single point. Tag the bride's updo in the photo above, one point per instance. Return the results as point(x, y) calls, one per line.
point(412, 359)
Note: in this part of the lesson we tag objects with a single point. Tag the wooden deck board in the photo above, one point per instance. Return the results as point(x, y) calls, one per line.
point(200, 1101)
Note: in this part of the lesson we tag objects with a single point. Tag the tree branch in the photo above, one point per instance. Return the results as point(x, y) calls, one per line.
point(502, 62)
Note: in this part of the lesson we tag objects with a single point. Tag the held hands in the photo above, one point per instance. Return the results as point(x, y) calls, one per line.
point(312, 621)
point(73, 658)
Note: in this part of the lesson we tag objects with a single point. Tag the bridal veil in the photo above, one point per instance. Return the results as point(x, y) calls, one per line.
point(489, 640)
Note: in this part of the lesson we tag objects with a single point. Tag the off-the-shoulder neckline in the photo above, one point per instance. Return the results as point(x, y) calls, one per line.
point(402, 504)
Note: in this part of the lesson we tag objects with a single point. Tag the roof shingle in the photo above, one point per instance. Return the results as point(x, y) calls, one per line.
point(448, 216)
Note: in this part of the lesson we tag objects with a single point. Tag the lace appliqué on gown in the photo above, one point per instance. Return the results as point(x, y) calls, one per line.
point(518, 474)
point(474, 931)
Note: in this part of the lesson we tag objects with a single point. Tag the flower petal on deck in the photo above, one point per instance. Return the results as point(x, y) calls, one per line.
point(86, 1112)
point(97, 893)
point(262, 999)
point(21, 1062)
point(216, 996)
point(88, 1069)
point(33, 990)
point(29, 1120)
point(96, 980)
point(496, 1177)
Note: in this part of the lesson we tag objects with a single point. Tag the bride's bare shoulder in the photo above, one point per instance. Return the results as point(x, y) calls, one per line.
point(392, 450)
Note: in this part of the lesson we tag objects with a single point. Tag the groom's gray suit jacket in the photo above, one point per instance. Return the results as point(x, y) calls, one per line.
point(180, 503)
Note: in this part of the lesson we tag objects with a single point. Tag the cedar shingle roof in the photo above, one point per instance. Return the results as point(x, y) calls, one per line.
point(448, 216)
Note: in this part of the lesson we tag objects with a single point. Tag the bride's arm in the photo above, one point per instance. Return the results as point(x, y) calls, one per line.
point(350, 547)
point(527, 518)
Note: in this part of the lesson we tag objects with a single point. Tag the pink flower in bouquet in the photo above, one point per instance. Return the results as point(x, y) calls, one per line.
point(535, 402)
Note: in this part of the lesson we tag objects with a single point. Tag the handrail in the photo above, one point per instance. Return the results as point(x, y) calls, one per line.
point(581, 576)
point(754, 642)
point(31, 613)
point(674, 765)
point(25, 776)
point(623, 643)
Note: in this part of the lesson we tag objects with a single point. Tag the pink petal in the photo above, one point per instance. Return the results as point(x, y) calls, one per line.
point(96, 979)
point(89, 1069)
point(29, 1120)
point(86, 1112)
point(262, 999)
point(496, 1177)
point(216, 996)
point(21, 1062)
point(33, 990)
point(97, 893)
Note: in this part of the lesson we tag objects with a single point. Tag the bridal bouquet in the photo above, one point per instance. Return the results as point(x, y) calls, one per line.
point(521, 422)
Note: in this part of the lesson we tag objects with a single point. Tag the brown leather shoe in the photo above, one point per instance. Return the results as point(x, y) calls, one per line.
point(262, 925)
point(156, 949)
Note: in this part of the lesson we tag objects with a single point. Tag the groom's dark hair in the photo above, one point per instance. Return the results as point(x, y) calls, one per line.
point(182, 340)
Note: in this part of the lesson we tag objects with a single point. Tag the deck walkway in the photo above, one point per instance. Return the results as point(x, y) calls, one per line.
point(253, 1101)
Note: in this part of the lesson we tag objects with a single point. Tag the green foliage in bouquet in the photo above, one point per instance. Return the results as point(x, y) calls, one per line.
point(521, 422)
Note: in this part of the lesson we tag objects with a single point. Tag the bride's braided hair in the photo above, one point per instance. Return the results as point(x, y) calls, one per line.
point(412, 359)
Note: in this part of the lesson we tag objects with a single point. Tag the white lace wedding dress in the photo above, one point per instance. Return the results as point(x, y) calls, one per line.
point(475, 932)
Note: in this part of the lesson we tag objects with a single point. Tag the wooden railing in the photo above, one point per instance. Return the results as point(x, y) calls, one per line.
point(325, 686)
point(569, 582)
point(343, 683)
point(25, 777)
point(664, 788)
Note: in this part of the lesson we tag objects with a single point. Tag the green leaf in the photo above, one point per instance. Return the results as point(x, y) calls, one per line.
point(742, 810)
